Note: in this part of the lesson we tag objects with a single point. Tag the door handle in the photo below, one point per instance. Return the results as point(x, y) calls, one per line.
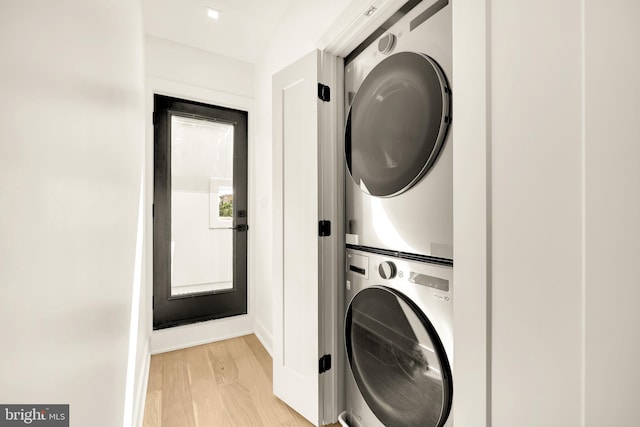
point(239, 227)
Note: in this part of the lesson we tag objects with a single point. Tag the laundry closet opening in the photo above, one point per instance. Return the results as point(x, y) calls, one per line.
point(200, 212)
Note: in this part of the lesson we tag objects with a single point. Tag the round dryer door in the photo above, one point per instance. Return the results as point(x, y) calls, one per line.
point(397, 124)
point(397, 359)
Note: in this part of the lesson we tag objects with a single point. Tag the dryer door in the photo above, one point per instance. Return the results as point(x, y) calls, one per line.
point(397, 359)
point(397, 124)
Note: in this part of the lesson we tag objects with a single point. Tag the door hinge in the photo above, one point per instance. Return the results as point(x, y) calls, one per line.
point(153, 303)
point(325, 363)
point(154, 118)
point(324, 228)
point(153, 210)
point(324, 92)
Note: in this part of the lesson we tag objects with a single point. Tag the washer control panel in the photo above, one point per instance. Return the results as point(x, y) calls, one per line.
point(367, 269)
point(387, 270)
point(429, 281)
point(358, 264)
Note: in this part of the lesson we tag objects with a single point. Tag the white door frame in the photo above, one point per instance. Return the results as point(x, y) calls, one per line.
point(471, 214)
point(473, 171)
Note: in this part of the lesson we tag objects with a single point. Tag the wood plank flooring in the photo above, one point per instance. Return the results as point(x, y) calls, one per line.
point(222, 384)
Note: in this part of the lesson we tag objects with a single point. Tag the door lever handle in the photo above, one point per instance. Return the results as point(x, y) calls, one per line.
point(239, 227)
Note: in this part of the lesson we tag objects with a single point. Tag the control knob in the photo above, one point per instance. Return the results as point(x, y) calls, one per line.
point(387, 270)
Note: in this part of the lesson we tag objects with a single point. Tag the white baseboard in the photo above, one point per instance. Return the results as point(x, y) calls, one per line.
point(264, 336)
point(141, 389)
point(200, 333)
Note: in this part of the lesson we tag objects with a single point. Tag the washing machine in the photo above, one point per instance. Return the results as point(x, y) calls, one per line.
point(398, 149)
point(398, 335)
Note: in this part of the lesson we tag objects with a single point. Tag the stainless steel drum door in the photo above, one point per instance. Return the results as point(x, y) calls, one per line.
point(397, 359)
point(397, 124)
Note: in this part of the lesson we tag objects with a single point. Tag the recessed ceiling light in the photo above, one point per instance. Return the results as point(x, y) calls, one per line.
point(212, 13)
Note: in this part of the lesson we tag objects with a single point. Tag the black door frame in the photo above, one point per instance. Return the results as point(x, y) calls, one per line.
point(169, 311)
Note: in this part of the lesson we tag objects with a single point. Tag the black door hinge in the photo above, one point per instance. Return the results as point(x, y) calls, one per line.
point(325, 363)
point(324, 228)
point(324, 92)
point(154, 118)
point(153, 210)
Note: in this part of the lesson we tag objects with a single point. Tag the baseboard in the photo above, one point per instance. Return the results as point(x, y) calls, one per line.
point(264, 336)
point(200, 333)
point(141, 389)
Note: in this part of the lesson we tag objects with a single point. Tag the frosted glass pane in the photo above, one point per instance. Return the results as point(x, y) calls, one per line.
point(201, 206)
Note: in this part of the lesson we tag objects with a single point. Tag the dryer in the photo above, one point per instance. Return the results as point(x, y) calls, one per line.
point(398, 341)
point(398, 149)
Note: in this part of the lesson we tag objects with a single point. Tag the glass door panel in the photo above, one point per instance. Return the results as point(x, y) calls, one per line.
point(201, 206)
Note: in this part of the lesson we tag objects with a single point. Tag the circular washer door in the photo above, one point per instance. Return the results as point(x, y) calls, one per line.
point(397, 359)
point(397, 124)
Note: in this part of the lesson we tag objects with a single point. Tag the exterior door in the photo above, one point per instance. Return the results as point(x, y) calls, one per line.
point(307, 163)
point(200, 212)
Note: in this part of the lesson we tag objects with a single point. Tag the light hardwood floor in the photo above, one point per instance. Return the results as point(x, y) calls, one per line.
point(222, 384)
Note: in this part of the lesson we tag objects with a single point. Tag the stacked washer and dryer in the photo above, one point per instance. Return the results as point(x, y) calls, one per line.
point(399, 224)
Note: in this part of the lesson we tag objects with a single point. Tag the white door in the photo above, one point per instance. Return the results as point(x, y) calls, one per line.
point(306, 178)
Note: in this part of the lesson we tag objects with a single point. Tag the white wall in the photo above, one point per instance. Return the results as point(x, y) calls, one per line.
point(185, 72)
point(179, 63)
point(202, 258)
point(564, 215)
point(611, 213)
point(71, 161)
point(298, 34)
point(536, 206)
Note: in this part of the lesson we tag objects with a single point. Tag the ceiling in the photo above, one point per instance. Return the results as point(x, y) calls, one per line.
point(242, 30)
